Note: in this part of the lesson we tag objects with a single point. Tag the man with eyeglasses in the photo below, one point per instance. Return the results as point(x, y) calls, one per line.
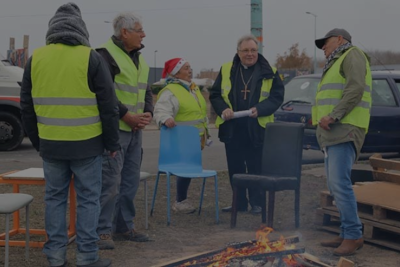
point(121, 175)
point(246, 83)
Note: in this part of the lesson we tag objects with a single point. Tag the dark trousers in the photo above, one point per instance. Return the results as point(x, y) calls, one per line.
point(182, 186)
point(243, 157)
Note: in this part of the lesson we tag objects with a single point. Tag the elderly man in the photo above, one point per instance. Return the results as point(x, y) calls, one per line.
point(248, 82)
point(69, 111)
point(121, 175)
point(342, 113)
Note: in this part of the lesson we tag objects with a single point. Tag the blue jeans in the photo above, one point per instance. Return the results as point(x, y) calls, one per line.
point(121, 177)
point(87, 180)
point(339, 160)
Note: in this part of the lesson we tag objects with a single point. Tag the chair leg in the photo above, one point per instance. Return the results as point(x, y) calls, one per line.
point(216, 199)
point(297, 208)
point(234, 207)
point(271, 206)
point(27, 234)
point(154, 194)
point(146, 207)
point(168, 199)
point(264, 206)
point(7, 239)
point(202, 194)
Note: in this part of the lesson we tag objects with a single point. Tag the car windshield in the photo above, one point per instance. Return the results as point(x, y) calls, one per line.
point(301, 90)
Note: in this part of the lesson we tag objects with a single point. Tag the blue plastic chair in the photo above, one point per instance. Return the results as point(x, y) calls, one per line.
point(180, 155)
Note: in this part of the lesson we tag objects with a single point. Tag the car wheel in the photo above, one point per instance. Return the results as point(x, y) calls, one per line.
point(11, 131)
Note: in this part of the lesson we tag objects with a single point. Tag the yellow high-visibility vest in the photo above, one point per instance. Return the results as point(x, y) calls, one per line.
point(130, 84)
point(190, 111)
point(65, 107)
point(330, 91)
point(226, 87)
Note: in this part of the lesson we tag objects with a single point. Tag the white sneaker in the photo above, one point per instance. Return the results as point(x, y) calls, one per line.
point(183, 207)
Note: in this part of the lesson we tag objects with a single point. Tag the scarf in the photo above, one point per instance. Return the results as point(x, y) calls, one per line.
point(189, 86)
point(334, 53)
point(67, 23)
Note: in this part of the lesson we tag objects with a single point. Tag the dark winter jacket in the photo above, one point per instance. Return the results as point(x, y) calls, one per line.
point(266, 107)
point(100, 83)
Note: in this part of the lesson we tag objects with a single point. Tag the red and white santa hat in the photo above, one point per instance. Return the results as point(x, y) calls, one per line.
point(172, 66)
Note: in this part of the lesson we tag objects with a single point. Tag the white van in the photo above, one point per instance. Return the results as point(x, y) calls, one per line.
point(11, 130)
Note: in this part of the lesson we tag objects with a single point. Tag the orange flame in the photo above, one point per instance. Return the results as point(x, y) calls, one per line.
point(261, 246)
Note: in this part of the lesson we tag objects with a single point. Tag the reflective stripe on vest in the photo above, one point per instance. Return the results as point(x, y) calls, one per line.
point(191, 112)
point(65, 107)
point(330, 92)
point(130, 84)
point(226, 87)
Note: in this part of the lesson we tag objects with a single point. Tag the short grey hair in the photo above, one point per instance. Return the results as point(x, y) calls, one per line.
point(125, 20)
point(246, 38)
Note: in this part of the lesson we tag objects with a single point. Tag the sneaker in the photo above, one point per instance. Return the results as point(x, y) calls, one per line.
point(132, 236)
point(105, 242)
point(256, 210)
point(99, 263)
point(183, 207)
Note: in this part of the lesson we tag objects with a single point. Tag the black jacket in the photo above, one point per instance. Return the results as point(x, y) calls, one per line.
point(114, 70)
point(266, 107)
point(100, 83)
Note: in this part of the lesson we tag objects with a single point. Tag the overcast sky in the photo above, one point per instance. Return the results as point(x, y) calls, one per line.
point(205, 32)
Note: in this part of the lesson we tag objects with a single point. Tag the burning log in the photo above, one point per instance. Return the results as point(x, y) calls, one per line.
point(253, 249)
point(262, 256)
point(276, 253)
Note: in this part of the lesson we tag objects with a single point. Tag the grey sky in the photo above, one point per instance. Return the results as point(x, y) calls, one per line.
point(205, 32)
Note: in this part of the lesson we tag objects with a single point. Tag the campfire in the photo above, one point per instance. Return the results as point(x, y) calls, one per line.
point(260, 252)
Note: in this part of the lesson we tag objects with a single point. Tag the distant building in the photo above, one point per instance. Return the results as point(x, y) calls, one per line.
point(210, 74)
point(154, 75)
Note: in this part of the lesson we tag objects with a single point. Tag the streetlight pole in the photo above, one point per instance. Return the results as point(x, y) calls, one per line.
point(155, 65)
point(315, 37)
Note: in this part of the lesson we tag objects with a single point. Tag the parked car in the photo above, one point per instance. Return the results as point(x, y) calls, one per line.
point(11, 130)
point(384, 128)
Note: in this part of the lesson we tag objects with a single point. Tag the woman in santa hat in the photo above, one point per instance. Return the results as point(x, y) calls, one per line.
point(181, 101)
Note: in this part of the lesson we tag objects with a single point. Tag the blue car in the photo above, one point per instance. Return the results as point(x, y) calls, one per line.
point(384, 128)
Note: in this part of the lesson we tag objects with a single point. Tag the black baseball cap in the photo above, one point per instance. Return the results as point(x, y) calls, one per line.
point(333, 33)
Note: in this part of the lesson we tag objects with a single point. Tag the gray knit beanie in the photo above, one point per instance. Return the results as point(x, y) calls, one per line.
point(67, 23)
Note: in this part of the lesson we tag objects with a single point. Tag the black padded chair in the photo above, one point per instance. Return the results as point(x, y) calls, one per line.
point(281, 169)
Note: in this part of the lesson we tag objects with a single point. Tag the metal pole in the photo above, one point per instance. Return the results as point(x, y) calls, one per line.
point(315, 37)
point(155, 66)
point(256, 22)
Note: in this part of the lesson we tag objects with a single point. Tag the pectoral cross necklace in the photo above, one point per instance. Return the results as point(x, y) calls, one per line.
point(245, 91)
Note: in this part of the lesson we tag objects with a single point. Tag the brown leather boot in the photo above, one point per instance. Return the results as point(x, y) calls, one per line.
point(332, 243)
point(349, 247)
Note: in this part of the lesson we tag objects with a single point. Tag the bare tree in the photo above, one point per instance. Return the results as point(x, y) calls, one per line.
point(293, 59)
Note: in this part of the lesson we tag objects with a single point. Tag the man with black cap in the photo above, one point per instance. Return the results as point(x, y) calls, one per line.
point(341, 114)
point(70, 113)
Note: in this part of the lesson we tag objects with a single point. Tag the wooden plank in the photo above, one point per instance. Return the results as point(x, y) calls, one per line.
point(345, 263)
point(326, 199)
point(370, 217)
point(385, 176)
point(382, 194)
point(379, 163)
point(313, 259)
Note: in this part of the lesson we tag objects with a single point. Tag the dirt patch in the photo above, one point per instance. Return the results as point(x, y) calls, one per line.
point(192, 234)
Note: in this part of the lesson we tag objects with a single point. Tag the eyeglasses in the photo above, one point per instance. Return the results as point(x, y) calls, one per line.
point(246, 51)
point(141, 31)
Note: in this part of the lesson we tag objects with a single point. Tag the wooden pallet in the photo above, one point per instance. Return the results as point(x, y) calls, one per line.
point(373, 232)
point(378, 203)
